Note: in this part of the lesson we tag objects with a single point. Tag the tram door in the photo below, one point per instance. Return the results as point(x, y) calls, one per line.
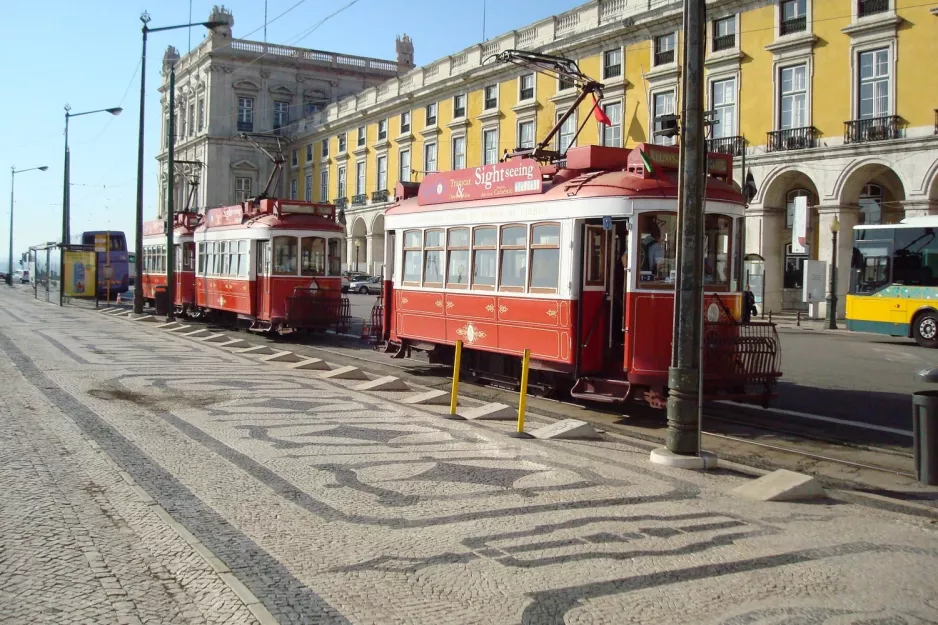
point(618, 274)
point(602, 298)
point(262, 283)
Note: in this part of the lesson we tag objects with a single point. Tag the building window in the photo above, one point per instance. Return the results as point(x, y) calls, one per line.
point(325, 148)
point(382, 167)
point(513, 261)
point(191, 119)
point(308, 192)
point(429, 158)
point(662, 104)
point(412, 254)
point(361, 136)
point(563, 84)
point(404, 162)
point(324, 185)
point(871, 205)
point(433, 258)
point(490, 146)
point(567, 133)
point(526, 135)
point(309, 152)
point(201, 114)
point(281, 116)
point(342, 142)
point(181, 131)
point(293, 189)
point(459, 106)
point(405, 122)
point(484, 255)
point(612, 134)
point(545, 258)
point(664, 49)
point(360, 178)
point(794, 17)
point(612, 63)
point(341, 179)
point(723, 102)
point(295, 158)
point(431, 114)
point(724, 34)
point(794, 269)
point(382, 129)
point(794, 96)
point(491, 97)
point(457, 262)
point(871, 7)
point(874, 84)
point(459, 152)
point(526, 87)
point(242, 189)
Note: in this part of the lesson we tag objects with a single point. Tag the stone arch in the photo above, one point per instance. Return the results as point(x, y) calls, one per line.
point(358, 228)
point(873, 182)
point(358, 245)
point(776, 186)
point(377, 224)
point(930, 183)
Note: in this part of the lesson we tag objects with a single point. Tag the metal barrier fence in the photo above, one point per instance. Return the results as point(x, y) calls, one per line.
point(316, 309)
point(741, 359)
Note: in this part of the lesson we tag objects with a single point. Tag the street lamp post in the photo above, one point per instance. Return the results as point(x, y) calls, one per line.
point(832, 297)
point(138, 248)
point(13, 172)
point(66, 192)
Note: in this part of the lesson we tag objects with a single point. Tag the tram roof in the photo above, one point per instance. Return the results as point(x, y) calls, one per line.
point(646, 171)
point(272, 214)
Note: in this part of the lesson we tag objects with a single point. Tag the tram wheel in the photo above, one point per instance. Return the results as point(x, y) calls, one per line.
point(925, 329)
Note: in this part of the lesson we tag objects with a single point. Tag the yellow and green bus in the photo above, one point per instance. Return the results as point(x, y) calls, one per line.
point(894, 280)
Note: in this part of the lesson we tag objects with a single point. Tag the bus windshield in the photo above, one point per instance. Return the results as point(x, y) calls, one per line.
point(884, 256)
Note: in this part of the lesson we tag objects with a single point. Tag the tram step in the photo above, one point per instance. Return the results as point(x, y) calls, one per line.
point(601, 389)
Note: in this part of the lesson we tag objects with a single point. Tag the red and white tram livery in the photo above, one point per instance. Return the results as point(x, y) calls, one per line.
point(154, 259)
point(576, 262)
point(273, 263)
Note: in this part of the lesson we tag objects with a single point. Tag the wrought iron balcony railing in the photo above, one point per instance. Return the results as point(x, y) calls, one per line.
point(379, 196)
point(792, 139)
point(872, 129)
point(664, 57)
point(793, 25)
point(359, 200)
point(724, 42)
point(340, 202)
point(871, 7)
point(734, 146)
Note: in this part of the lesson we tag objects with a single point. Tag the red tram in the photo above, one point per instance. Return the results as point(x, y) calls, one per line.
point(154, 259)
point(274, 265)
point(577, 262)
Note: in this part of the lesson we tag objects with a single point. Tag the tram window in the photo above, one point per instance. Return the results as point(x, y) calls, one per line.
point(412, 256)
point(595, 256)
point(285, 256)
point(210, 258)
point(458, 258)
point(545, 258)
point(313, 256)
point(223, 262)
point(162, 259)
point(484, 254)
point(718, 232)
point(201, 266)
point(232, 266)
point(244, 258)
point(657, 237)
point(433, 257)
point(177, 257)
point(513, 258)
point(335, 257)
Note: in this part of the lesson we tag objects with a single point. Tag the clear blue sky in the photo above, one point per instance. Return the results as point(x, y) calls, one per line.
point(87, 53)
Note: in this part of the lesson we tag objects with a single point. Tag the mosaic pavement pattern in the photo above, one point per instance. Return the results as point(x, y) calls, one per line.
point(335, 506)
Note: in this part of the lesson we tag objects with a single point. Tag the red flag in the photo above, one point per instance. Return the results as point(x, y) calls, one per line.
point(600, 114)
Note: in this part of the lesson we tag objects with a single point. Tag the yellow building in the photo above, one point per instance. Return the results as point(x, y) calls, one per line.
point(830, 99)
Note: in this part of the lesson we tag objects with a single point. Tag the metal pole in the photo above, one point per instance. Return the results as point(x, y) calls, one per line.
point(65, 183)
point(10, 268)
point(832, 298)
point(138, 229)
point(265, 20)
point(683, 376)
point(170, 205)
point(454, 392)
point(523, 391)
point(190, 23)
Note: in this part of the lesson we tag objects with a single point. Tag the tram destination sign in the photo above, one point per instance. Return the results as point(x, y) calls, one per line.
point(224, 216)
point(512, 178)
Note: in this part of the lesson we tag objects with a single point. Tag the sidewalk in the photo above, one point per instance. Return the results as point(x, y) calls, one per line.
point(331, 505)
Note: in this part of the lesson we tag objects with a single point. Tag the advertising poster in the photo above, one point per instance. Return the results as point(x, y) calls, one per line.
point(80, 274)
point(799, 228)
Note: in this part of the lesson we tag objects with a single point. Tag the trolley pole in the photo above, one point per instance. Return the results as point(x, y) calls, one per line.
point(170, 205)
point(683, 375)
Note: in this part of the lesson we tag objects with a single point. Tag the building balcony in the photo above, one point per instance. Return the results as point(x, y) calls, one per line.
point(726, 42)
point(378, 197)
point(664, 58)
point(792, 139)
point(245, 126)
point(359, 200)
point(340, 203)
point(794, 25)
point(734, 146)
point(872, 129)
point(871, 7)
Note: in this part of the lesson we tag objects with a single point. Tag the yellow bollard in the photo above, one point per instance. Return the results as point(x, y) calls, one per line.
point(455, 391)
point(523, 400)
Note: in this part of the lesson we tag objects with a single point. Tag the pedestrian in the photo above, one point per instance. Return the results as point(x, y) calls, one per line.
point(749, 304)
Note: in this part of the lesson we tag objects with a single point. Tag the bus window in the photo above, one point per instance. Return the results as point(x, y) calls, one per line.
point(871, 266)
point(118, 242)
point(915, 260)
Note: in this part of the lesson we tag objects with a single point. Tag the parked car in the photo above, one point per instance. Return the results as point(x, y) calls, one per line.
point(369, 284)
point(349, 276)
point(21, 276)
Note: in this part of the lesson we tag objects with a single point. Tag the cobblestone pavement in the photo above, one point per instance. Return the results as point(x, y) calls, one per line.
point(304, 501)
